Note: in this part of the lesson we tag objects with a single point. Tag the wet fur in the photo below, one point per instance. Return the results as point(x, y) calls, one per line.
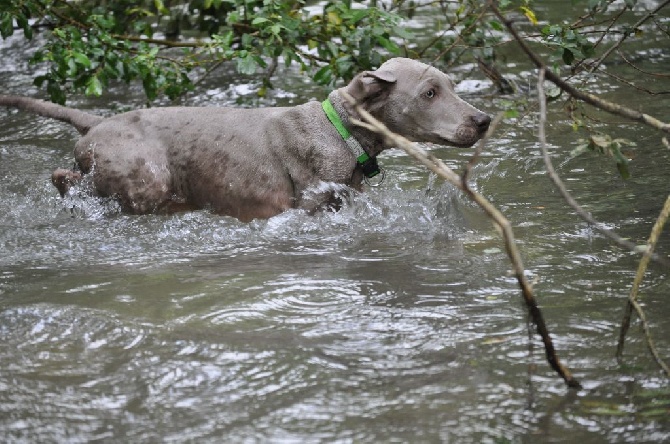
point(255, 163)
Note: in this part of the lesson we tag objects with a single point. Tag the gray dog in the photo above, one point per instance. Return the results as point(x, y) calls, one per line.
point(256, 163)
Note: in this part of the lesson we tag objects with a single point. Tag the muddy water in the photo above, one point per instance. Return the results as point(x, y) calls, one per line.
point(395, 319)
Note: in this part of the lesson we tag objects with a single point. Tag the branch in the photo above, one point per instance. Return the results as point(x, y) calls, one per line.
point(603, 33)
point(438, 167)
point(161, 42)
point(625, 35)
point(636, 68)
point(632, 297)
point(564, 191)
point(633, 85)
point(591, 99)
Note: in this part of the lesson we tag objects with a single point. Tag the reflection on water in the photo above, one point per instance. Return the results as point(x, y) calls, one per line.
point(395, 319)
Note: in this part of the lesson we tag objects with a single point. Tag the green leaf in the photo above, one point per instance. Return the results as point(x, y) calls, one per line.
point(505, 4)
point(150, 89)
point(497, 26)
point(388, 45)
point(621, 161)
point(581, 149)
point(160, 6)
point(94, 86)
point(81, 59)
point(276, 29)
point(247, 65)
point(259, 20)
point(6, 26)
point(324, 75)
point(55, 92)
point(39, 80)
point(403, 33)
point(568, 56)
point(511, 114)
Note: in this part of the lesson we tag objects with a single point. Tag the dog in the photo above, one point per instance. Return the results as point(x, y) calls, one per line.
point(256, 163)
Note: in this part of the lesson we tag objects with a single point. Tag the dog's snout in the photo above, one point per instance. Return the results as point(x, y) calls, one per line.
point(481, 121)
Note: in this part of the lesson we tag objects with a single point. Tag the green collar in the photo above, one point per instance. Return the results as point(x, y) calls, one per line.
point(368, 164)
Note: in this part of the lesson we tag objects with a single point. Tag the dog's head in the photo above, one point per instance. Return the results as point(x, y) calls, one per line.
point(418, 102)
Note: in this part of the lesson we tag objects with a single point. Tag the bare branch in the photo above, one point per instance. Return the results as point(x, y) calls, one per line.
point(591, 99)
point(625, 35)
point(438, 167)
point(633, 85)
point(636, 68)
point(564, 191)
point(632, 297)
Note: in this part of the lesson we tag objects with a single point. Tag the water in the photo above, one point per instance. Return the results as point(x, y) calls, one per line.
point(394, 320)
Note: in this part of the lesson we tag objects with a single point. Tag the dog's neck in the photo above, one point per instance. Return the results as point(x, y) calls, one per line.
point(371, 142)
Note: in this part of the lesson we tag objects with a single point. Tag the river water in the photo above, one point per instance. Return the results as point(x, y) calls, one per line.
point(393, 320)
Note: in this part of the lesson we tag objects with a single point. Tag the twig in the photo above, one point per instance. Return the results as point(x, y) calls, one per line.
point(439, 168)
point(474, 23)
point(632, 297)
point(633, 85)
point(603, 34)
point(209, 70)
point(636, 68)
point(161, 42)
point(625, 35)
point(591, 99)
point(562, 188)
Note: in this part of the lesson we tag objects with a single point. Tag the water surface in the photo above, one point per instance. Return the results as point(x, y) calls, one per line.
point(394, 320)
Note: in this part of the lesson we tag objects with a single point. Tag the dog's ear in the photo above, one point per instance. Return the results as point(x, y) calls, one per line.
point(370, 84)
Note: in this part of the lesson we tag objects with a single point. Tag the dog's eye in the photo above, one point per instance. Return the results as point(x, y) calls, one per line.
point(430, 93)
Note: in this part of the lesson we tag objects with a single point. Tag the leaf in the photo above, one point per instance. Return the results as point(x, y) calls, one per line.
point(630, 3)
point(403, 32)
point(334, 18)
point(81, 59)
point(276, 29)
point(259, 20)
point(568, 56)
point(529, 14)
point(496, 25)
point(388, 45)
point(358, 14)
point(581, 149)
point(6, 26)
point(621, 161)
point(553, 92)
point(601, 141)
point(247, 65)
point(55, 92)
point(511, 114)
point(160, 6)
point(72, 68)
point(94, 86)
point(324, 75)
point(39, 80)
point(149, 84)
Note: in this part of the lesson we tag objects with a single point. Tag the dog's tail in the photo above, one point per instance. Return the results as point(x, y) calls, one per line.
point(82, 121)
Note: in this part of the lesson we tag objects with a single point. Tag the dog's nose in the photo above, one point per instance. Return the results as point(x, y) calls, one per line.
point(482, 121)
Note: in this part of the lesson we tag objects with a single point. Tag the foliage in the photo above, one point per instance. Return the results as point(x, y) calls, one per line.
point(570, 44)
point(604, 144)
point(161, 43)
